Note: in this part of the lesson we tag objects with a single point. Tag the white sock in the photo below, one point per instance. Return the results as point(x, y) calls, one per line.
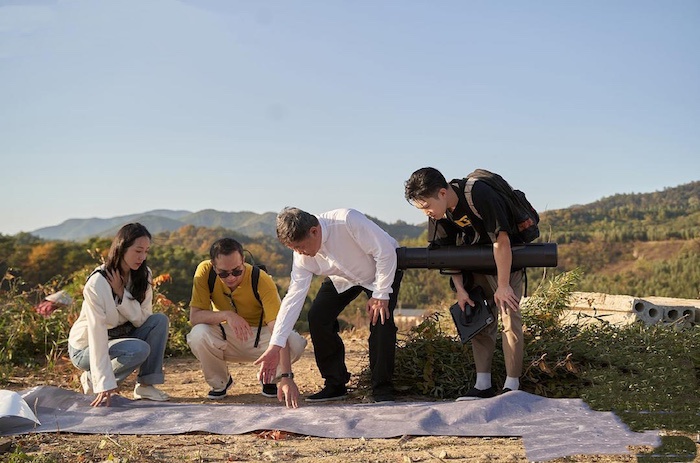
point(483, 381)
point(512, 383)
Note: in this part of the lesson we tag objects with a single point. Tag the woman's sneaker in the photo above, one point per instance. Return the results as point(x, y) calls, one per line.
point(149, 392)
point(86, 382)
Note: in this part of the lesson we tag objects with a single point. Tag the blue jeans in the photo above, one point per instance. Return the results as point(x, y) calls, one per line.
point(143, 349)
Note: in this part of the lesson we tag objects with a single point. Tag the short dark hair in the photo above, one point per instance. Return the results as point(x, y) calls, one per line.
point(293, 225)
point(225, 247)
point(424, 183)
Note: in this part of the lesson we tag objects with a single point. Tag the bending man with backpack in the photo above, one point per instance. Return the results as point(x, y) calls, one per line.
point(233, 310)
point(481, 209)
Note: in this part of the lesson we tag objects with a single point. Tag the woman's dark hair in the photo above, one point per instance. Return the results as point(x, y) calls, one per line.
point(424, 183)
point(124, 240)
point(224, 247)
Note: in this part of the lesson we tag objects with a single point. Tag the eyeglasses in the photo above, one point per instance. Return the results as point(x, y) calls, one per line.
point(236, 272)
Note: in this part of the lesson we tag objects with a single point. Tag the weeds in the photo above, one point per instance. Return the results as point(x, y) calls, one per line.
point(31, 340)
point(18, 456)
point(649, 376)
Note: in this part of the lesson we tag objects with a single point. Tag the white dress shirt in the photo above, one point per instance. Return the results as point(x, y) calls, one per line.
point(354, 252)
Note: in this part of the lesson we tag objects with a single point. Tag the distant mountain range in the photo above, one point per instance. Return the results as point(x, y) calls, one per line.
point(677, 208)
point(247, 223)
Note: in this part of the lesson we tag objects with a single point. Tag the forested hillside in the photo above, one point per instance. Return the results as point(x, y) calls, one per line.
point(671, 214)
point(636, 244)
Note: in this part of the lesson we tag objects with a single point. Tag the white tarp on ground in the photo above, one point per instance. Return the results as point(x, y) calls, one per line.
point(550, 428)
point(14, 411)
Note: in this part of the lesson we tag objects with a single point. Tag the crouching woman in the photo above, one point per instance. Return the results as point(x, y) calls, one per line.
point(117, 331)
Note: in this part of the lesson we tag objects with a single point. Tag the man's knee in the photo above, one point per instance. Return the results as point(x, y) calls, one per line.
point(199, 335)
point(320, 322)
point(388, 328)
point(512, 322)
point(297, 344)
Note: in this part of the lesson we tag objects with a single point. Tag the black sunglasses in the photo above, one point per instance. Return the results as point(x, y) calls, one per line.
point(236, 272)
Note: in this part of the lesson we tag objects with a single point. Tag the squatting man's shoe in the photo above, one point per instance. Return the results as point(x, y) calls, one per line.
point(220, 393)
point(269, 390)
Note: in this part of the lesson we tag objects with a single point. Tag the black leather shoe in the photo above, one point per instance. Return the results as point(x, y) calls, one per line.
point(474, 394)
point(329, 393)
point(386, 398)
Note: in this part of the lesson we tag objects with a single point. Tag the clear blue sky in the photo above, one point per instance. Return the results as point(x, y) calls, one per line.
point(117, 107)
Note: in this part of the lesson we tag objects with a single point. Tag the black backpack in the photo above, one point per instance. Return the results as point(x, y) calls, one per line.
point(255, 277)
point(524, 215)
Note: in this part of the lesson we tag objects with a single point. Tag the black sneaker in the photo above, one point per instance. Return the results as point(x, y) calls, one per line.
point(474, 394)
point(383, 394)
point(220, 393)
point(328, 393)
point(506, 390)
point(269, 390)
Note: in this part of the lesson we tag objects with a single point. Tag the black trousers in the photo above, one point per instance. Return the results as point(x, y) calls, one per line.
point(329, 348)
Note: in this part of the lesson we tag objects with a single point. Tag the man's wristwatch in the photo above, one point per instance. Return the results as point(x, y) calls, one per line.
point(289, 375)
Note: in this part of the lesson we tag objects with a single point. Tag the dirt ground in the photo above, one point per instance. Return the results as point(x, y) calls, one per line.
point(184, 383)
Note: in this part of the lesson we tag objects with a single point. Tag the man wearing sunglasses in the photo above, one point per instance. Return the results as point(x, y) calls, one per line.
point(231, 323)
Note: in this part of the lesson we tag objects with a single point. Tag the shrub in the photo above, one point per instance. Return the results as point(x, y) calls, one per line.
point(648, 375)
point(29, 339)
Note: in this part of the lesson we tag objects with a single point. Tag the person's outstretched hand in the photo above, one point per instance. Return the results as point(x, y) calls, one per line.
point(288, 392)
point(268, 362)
point(103, 398)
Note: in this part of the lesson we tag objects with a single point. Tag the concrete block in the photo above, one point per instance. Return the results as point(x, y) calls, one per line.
point(627, 309)
point(647, 312)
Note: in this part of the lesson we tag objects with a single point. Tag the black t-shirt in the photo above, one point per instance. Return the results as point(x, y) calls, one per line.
point(492, 209)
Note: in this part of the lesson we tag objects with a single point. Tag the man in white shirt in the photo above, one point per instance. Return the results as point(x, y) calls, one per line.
point(357, 256)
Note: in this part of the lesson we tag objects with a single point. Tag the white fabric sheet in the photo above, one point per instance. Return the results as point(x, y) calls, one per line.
point(550, 428)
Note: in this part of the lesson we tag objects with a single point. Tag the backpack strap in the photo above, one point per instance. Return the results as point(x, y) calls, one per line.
point(102, 272)
point(211, 281)
point(468, 195)
point(255, 277)
point(97, 270)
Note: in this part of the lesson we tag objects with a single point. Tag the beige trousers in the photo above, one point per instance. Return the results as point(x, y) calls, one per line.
point(484, 343)
point(213, 351)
